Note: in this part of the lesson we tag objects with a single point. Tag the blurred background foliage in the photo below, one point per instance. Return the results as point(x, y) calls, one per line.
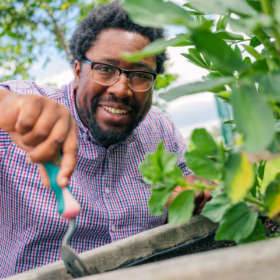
point(28, 28)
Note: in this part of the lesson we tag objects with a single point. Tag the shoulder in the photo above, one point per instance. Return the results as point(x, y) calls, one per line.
point(156, 127)
point(30, 87)
point(157, 120)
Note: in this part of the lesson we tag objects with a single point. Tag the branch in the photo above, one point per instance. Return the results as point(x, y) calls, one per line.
point(60, 36)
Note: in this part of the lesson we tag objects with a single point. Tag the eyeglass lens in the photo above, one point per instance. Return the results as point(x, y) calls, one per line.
point(107, 75)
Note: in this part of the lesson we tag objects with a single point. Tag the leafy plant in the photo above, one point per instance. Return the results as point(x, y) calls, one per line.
point(244, 70)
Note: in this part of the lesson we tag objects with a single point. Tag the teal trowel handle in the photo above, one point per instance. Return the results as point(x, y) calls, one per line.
point(68, 207)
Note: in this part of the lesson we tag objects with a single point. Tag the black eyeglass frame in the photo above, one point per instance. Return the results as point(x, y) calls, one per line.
point(125, 71)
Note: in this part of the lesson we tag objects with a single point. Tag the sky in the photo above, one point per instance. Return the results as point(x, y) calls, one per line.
point(187, 112)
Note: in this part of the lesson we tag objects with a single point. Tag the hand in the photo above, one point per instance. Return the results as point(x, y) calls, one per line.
point(200, 198)
point(42, 128)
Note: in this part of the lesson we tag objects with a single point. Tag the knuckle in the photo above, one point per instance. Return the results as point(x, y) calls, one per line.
point(59, 141)
point(41, 135)
point(25, 125)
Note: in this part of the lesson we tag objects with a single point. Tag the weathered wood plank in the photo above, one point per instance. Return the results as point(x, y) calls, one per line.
point(256, 261)
point(120, 253)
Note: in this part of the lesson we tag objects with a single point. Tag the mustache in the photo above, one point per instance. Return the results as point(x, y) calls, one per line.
point(96, 100)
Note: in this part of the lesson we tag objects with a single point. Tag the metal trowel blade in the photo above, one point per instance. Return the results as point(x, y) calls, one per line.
point(74, 264)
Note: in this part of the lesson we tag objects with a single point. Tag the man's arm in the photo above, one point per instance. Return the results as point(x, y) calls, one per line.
point(42, 128)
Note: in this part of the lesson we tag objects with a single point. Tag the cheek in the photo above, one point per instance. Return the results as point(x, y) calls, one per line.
point(145, 103)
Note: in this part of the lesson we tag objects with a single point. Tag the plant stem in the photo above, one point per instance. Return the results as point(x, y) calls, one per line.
point(201, 187)
point(267, 7)
point(254, 201)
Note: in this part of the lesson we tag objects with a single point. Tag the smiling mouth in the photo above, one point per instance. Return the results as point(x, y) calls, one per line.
point(114, 111)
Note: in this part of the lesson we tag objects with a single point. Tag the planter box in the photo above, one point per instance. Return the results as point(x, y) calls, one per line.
point(123, 252)
point(256, 261)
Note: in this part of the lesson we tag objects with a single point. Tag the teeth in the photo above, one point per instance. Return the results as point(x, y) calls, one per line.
point(114, 111)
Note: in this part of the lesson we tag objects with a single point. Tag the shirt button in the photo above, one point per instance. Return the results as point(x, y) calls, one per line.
point(107, 190)
point(85, 135)
point(113, 228)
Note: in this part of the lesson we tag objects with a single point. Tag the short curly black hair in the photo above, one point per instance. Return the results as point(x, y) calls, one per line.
point(107, 16)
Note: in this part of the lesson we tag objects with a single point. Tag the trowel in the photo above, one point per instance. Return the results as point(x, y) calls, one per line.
point(68, 208)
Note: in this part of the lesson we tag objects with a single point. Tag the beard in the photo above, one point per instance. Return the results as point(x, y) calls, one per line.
point(113, 135)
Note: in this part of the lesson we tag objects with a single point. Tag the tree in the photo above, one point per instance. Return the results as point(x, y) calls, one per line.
point(28, 28)
point(244, 70)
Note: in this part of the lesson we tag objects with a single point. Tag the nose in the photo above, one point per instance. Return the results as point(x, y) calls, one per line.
point(120, 88)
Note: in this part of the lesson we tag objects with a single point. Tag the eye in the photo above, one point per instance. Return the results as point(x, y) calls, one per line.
point(140, 75)
point(105, 69)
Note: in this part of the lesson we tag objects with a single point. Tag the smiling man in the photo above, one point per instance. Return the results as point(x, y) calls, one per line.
point(106, 112)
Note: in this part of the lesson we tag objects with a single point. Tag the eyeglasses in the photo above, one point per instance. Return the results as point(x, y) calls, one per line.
point(107, 75)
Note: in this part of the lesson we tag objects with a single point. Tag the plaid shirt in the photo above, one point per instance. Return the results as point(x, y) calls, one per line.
point(106, 182)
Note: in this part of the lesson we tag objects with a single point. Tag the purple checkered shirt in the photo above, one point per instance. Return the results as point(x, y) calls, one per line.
point(106, 182)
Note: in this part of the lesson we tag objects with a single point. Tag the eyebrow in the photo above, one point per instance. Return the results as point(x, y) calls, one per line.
point(117, 62)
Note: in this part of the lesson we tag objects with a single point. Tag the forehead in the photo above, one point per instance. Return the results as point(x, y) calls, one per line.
point(110, 43)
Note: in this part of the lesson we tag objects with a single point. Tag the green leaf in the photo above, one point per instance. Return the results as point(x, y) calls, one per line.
point(239, 177)
point(196, 55)
point(216, 207)
point(254, 42)
point(210, 85)
point(204, 142)
point(253, 117)
point(255, 4)
point(226, 94)
point(157, 164)
point(157, 13)
point(269, 84)
point(160, 168)
point(247, 60)
point(194, 61)
point(225, 35)
point(277, 10)
point(212, 75)
point(229, 122)
point(237, 51)
point(239, 7)
point(221, 54)
point(159, 198)
point(237, 223)
point(250, 25)
point(225, 22)
point(219, 23)
point(157, 47)
point(253, 52)
point(257, 234)
point(181, 208)
point(202, 166)
point(272, 198)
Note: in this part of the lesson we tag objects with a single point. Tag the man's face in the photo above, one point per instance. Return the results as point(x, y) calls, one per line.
point(97, 104)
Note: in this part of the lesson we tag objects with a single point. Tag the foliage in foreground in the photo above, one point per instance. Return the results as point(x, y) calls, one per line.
point(244, 70)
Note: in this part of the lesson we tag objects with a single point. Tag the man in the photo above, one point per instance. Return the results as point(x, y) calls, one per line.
point(107, 112)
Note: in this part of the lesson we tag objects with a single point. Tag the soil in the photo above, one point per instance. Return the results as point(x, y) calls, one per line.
point(205, 243)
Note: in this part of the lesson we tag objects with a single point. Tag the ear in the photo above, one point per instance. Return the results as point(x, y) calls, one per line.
point(77, 72)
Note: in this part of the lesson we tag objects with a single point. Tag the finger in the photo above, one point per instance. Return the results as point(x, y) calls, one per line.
point(9, 109)
point(199, 198)
point(49, 148)
point(42, 128)
point(28, 115)
point(44, 176)
point(206, 198)
point(69, 158)
point(17, 139)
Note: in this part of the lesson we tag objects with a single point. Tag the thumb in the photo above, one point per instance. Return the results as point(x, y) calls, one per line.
point(44, 176)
